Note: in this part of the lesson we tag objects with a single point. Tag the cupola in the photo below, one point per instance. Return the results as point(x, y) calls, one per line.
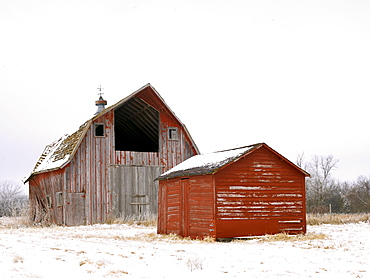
point(101, 103)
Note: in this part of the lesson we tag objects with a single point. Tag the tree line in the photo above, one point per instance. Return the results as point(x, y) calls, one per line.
point(325, 194)
point(13, 199)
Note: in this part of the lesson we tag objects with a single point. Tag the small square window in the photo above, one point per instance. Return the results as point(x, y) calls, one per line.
point(99, 130)
point(172, 133)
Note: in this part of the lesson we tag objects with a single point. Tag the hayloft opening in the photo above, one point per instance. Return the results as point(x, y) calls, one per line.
point(136, 127)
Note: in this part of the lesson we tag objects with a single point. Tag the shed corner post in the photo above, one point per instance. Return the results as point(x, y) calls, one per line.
point(215, 210)
point(162, 208)
point(304, 206)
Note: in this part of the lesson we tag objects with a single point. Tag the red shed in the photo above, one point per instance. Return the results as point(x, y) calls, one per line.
point(246, 191)
point(108, 166)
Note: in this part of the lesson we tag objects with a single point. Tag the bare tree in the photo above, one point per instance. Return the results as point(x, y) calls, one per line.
point(320, 186)
point(357, 195)
point(12, 198)
point(300, 160)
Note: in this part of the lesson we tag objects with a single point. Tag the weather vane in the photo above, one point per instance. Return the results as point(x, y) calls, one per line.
point(100, 88)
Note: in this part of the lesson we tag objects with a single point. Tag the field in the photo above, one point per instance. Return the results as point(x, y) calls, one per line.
point(131, 250)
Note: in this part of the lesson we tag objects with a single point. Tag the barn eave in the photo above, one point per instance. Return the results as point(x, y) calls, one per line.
point(46, 171)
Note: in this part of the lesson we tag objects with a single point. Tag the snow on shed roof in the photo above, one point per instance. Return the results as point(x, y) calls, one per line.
point(206, 163)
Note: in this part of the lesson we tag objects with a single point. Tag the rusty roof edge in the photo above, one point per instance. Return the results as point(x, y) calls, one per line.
point(173, 113)
point(288, 161)
point(120, 102)
point(82, 136)
point(259, 145)
point(227, 162)
point(113, 106)
point(252, 147)
point(45, 171)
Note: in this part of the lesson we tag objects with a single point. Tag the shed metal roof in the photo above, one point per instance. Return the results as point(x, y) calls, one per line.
point(210, 163)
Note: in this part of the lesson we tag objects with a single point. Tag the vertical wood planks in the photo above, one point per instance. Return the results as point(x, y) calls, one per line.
point(90, 174)
point(134, 190)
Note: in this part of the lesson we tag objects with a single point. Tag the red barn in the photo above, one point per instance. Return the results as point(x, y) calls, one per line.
point(247, 191)
point(108, 166)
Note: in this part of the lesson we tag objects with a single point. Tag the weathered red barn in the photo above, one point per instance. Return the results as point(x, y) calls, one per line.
point(247, 191)
point(108, 166)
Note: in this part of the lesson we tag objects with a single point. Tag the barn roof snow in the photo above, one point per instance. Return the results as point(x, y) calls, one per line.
point(60, 152)
point(57, 154)
point(210, 163)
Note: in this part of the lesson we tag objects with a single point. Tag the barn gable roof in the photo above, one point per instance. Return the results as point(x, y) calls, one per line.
point(210, 163)
point(60, 152)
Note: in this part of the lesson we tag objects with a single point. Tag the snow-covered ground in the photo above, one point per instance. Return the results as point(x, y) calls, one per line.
point(137, 251)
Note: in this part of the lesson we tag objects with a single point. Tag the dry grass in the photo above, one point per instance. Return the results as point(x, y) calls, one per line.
point(28, 217)
point(337, 219)
point(147, 220)
point(299, 237)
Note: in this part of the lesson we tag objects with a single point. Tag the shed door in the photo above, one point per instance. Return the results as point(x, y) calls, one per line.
point(134, 191)
point(184, 207)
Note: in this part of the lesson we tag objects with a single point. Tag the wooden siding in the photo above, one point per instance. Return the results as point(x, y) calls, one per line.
point(89, 171)
point(138, 158)
point(200, 198)
point(186, 207)
point(135, 195)
point(260, 194)
point(171, 152)
point(169, 207)
point(75, 209)
point(44, 186)
point(85, 180)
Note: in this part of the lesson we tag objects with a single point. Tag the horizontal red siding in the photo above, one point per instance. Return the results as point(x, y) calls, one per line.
point(260, 187)
point(201, 206)
point(186, 207)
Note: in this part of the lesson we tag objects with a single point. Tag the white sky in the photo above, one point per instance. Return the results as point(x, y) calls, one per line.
point(293, 74)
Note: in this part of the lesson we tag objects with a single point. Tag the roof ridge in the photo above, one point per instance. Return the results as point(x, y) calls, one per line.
point(238, 148)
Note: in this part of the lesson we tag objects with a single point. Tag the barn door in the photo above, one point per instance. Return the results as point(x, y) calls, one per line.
point(75, 209)
point(134, 191)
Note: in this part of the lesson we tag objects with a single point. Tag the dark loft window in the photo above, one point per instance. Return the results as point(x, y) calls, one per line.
point(172, 133)
point(136, 127)
point(99, 130)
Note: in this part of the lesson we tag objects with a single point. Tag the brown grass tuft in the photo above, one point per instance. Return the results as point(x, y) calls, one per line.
point(299, 237)
point(146, 220)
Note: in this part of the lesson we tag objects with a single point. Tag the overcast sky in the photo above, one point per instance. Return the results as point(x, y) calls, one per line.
point(293, 74)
